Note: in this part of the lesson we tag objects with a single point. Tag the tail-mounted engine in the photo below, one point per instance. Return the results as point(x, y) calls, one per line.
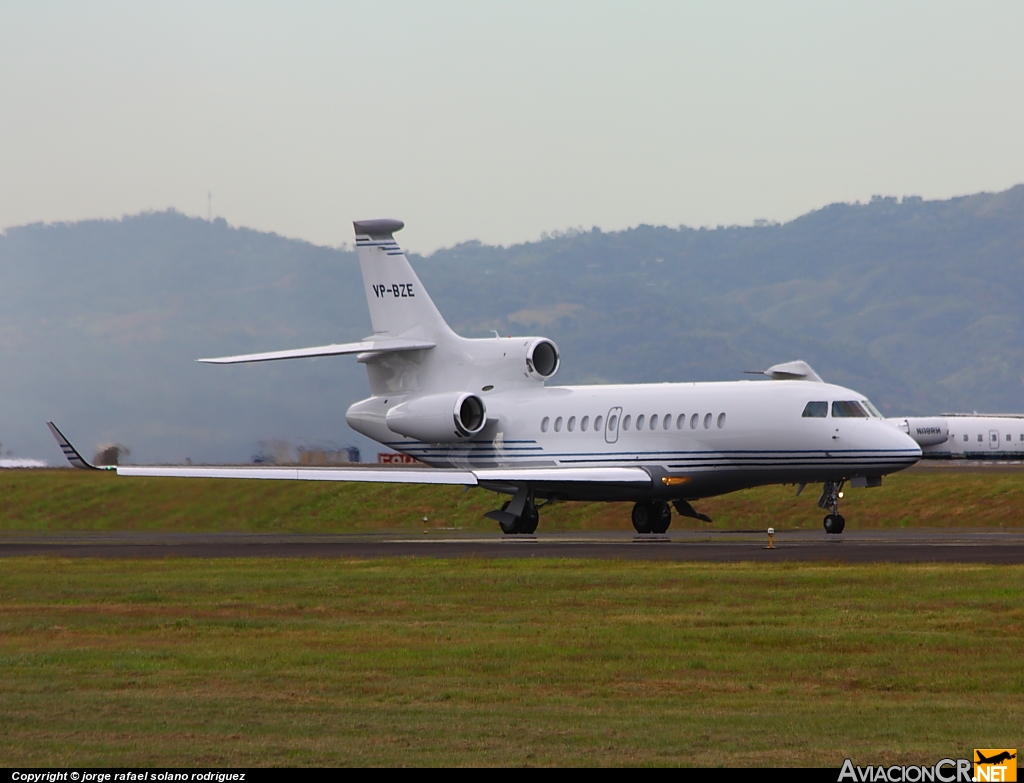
point(439, 418)
point(542, 359)
point(926, 431)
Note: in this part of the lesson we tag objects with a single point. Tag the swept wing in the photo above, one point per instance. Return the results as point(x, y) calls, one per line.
point(395, 475)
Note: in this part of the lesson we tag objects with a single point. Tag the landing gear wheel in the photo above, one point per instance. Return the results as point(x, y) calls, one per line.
point(662, 517)
point(834, 523)
point(508, 528)
point(830, 494)
point(644, 517)
point(527, 523)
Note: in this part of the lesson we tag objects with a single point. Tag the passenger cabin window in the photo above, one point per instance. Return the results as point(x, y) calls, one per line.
point(544, 424)
point(571, 424)
point(848, 409)
point(640, 422)
point(693, 421)
point(654, 422)
point(965, 437)
point(625, 422)
point(558, 424)
point(584, 423)
point(721, 420)
point(597, 423)
point(681, 421)
point(667, 421)
point(816, 410)
point(980, 439)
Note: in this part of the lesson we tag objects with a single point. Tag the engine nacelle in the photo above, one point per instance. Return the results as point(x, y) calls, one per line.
point(542, 359)
point(925, 431)
point(439, 418)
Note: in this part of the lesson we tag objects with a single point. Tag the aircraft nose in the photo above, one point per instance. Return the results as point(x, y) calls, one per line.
point(895, 441)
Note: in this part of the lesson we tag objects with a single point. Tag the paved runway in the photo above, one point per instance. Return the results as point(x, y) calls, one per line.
point(856, 546)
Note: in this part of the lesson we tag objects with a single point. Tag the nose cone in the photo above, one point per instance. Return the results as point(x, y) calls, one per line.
point(895, 449)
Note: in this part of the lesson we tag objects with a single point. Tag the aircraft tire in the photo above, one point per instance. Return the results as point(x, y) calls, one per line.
point(662, 517)
point(527, 523)
point(643, 517)
point(509, 528)
point(834, 524)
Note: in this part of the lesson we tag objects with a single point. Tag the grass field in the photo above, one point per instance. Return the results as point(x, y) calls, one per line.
point(425, 661)
point(421, 661)
point(42, 500)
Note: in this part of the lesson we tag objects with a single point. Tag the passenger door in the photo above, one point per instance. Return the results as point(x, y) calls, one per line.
point(993, 439)
point(611, 425)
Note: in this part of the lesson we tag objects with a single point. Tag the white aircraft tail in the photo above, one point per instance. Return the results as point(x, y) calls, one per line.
point(404, 317)
point(399, 304)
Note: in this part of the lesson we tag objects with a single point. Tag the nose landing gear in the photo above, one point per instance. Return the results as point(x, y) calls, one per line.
point(834, 521)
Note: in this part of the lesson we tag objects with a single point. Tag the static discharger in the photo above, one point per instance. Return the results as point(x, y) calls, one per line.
point(771, 538)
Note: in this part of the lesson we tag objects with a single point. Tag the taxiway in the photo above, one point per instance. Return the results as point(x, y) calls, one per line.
point(1005, 545)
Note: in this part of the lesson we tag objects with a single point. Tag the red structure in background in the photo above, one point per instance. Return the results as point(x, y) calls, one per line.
point(393, 458)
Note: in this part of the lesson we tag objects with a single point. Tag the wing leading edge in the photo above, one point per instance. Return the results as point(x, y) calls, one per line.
point(399, 475)
point(384, 345)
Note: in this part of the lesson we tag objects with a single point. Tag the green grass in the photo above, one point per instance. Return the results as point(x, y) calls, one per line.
point(423, 661)
point(58, 500)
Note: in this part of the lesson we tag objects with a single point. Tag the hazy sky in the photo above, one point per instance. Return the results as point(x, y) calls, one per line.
point(499, 121)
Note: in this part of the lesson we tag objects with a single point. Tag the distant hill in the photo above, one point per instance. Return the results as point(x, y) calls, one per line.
point(916, 303)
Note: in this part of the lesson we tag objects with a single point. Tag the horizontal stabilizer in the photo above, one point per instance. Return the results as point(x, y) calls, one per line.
point(384, 345)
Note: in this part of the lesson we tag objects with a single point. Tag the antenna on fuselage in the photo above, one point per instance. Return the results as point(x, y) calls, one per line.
point(789, 371)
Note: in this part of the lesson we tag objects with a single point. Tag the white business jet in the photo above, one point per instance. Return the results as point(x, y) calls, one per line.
point(478, 412)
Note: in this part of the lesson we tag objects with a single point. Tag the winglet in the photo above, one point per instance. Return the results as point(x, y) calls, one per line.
point(71, 452)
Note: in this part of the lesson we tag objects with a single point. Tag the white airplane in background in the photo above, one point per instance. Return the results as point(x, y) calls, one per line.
point(478, 412)
point(993, 436)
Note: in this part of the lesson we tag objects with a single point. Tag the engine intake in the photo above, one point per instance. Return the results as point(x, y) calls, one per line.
point(439, 418)
point(542, 359)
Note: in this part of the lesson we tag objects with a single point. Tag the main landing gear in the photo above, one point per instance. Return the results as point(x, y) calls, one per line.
point(651, 516)
point(654, 516)
point(525, 523)
point(518, 515)
point(834, 521)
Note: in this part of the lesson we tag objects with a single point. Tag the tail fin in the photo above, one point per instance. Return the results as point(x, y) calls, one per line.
point(399, 304)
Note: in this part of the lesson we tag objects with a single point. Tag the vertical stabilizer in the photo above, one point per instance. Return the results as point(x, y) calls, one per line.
point(399, 304)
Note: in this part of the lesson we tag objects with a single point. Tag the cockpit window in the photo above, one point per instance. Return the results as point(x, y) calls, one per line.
point(848, 409)
point(872, 409)
point(816, 410)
